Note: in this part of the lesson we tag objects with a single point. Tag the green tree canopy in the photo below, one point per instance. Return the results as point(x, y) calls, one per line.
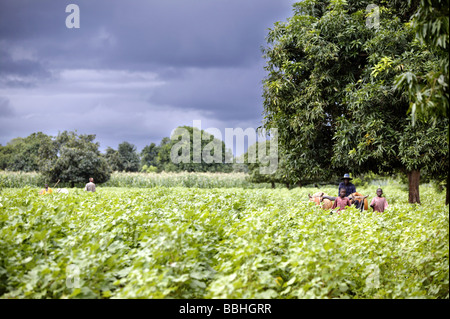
point(112, 157)
point(23, 154)
point(149, 155)
point(207, 141)
point(128, 157)
point(428, 89)
point(74, 159)
point(124, 159)
point(330, 91)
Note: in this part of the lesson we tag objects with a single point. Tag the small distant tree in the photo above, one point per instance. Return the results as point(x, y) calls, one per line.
point(149, 155)
point(128, 157)
point(125, 159)
point(112, 157)
point(164, 155)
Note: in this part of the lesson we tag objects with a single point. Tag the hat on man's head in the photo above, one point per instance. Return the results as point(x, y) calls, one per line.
point(347, 176)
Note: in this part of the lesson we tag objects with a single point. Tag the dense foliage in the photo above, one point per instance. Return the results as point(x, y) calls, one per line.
point(74, 158)
point(219, 243)
point(332, 90)
point(124, 159)
point(24, 154)
point(184, 141)
point(149, 155)
point(69, 157)
point(429, 91)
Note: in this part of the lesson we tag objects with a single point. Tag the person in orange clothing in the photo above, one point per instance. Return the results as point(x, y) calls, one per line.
point(342, 202)
point(46, 190)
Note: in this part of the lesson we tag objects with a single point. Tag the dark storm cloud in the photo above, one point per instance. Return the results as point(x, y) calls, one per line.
point(5, 109)
point(227, 94)
point(142, 33)
point(20, 72)
point(135, 69)
point(22, 67)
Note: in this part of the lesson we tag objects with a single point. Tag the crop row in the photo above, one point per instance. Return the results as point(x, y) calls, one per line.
point(141, 180)
point(218, 243)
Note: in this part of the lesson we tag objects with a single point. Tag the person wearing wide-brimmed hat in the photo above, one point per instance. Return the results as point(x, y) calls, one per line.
point(349, 187)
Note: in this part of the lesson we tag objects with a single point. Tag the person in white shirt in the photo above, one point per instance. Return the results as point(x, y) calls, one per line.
point(90, 187)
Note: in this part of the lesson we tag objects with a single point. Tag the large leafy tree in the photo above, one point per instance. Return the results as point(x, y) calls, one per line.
point(378, 133)
point(330, 91)
point(429, 89)
point(73, 158)
point(310, 61)
point(23, 154)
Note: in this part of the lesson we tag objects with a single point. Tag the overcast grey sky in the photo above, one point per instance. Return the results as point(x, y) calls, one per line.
point(134, 70)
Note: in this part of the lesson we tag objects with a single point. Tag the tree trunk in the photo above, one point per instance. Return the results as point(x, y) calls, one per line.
point(446, 186)
point(72, 184)
point(273, 184)
point(287, 185)
point(448, 180)
point(414, 181)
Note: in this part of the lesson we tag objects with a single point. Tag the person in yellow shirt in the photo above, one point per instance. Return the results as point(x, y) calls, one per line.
point(46, 190)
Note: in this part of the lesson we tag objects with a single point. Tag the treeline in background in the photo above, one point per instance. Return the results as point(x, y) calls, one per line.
point(72, 158)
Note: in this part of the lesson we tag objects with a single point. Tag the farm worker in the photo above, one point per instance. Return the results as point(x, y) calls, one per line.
point(342, 202)
point(90, 187)
point(46, 190)
point(349, 187)
point(379, 204)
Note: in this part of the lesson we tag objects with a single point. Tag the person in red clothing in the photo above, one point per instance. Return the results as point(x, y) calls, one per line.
point(379, 204)
point(342, 202)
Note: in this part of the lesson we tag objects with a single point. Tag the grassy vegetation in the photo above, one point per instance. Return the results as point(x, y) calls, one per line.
point(142, 180)
point(185, 179)
point(21, 179)
point(220, 243)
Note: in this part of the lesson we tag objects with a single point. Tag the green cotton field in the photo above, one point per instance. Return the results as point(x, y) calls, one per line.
point(219, 243)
